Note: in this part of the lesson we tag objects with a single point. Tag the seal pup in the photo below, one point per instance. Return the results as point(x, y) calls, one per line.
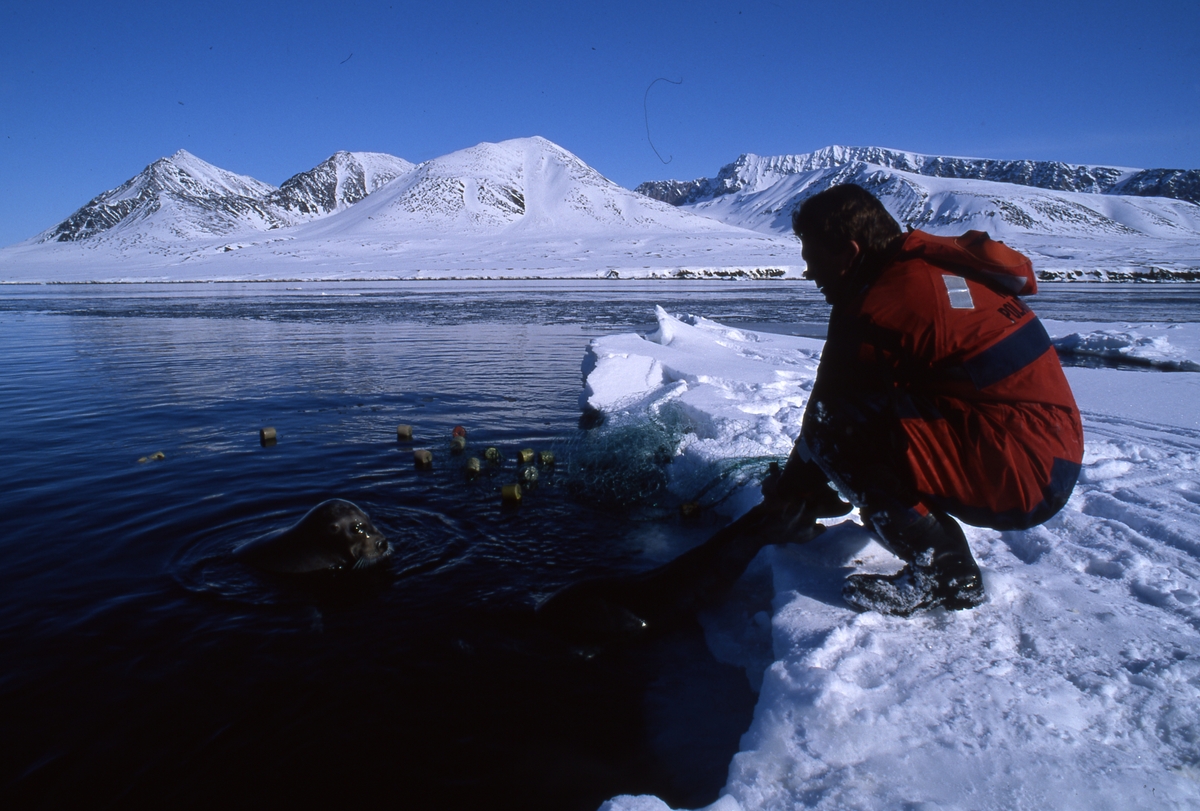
point(333, 535)
point(615, 608)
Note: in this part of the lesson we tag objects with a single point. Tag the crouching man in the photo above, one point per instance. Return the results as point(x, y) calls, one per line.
point(938, 396)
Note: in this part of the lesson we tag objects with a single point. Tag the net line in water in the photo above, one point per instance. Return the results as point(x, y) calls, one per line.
point(630, 463)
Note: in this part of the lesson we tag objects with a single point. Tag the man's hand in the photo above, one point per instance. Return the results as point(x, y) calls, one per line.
point(770, 482)
point(792, 516)
point(789, 521)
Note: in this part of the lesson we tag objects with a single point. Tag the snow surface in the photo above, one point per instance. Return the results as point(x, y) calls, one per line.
point(1077, 685)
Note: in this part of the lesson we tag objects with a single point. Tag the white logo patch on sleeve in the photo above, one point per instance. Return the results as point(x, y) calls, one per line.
point(959, 293)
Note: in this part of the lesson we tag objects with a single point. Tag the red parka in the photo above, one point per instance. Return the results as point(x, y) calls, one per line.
point(989, 428)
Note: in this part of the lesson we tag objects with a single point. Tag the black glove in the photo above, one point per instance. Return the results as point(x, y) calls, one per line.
point(790, 514)
point(803, 481)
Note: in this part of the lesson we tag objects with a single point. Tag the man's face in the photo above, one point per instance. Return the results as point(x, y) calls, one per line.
point(826, 265)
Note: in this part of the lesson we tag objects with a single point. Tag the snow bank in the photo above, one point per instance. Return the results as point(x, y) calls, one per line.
point(1171, 347)
point(1077, 685)
point(740, 394)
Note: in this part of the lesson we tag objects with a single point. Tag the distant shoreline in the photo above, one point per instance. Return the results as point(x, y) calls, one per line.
point(1057, 277)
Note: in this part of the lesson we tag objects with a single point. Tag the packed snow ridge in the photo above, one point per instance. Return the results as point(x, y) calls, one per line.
point(1075, 686)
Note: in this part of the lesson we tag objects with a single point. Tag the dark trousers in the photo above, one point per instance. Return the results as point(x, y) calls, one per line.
point(857, 445)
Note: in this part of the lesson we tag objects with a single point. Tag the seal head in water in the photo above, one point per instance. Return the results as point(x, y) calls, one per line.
point(333, 535)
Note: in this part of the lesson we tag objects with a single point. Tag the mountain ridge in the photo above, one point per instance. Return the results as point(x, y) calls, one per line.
point(522, 208)
point(749, 169)
point(1009, 199)
point(211, 196)
point(521, 186)
point(183, 197)
point(528, 208)
point(338, 182)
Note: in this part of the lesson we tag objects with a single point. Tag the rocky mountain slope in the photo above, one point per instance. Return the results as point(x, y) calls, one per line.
point(180, 196)
point(338, 183)
point(183, 198)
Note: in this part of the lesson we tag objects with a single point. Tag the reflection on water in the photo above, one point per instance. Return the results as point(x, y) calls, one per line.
point(592, 304)
point(1121, 303)
point(602, 305)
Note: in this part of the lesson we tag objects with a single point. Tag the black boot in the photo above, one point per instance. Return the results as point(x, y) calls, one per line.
point(940, 571)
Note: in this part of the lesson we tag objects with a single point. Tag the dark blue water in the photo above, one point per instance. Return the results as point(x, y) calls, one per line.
point(140, 666)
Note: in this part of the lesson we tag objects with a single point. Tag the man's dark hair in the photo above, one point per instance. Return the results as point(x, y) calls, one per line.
point(843, 214)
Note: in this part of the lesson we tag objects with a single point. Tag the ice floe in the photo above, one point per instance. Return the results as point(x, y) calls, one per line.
point(1077, 685)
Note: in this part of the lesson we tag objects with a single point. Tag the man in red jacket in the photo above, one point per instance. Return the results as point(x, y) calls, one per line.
point(939, 394)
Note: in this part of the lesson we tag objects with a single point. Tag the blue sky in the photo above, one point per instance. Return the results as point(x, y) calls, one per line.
point(90, 93)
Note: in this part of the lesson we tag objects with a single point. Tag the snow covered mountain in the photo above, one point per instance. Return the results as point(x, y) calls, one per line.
point(527, 207)
point(524, 207)
point(1076, 221)
point(179, 197)
point(752, 172)
point(338, 183)
point(521, 186)
point(182, 198)
point(760, 193)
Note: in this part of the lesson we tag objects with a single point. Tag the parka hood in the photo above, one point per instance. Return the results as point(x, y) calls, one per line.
point(975, 255)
